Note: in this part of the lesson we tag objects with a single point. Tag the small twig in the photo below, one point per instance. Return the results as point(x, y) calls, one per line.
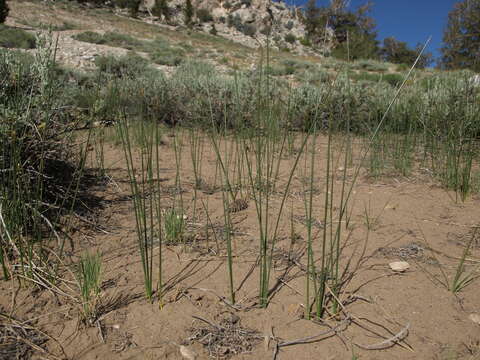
point(219, 328)
point(388, 342)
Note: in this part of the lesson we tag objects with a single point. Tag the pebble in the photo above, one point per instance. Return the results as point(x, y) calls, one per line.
point(399, 266)
point(187, 353)
point(475, 318)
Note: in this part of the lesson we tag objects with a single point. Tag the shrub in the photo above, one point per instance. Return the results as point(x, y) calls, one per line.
point(170, 57)
point(188, 13)
point(213, 30)
point(370, 65)
point(16, 38)
point(266, 30)
point(290, 38)
point(90, 37)
point(128, 66)
point(249, 29)
point(3, 11)
point(305, 41)
point(160, 8)
point(393, 79)
point(110, 38)
point(204, 15)
point(289, 25)
point(235, 21)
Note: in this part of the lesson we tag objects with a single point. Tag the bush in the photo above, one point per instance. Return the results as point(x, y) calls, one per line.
point(289, 25)
point(266, 30)
point(38, 174)
point(305, 42)
point(204, 15)
point(128, 66)
point(110, 38)
point(393, 79)
point(249, 29)
point(3, 11)
point(290, 38)
point(370, 65)
point(213, 30)
point(160, 8)
point(16, 38)
point(235, 21)
point(90, 37)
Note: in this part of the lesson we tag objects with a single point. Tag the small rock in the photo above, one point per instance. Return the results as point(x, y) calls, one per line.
point(475, 318)
point(399, 266)
point(187, 353)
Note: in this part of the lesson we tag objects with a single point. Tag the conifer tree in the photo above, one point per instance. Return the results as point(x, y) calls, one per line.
point(311, 18)
point(461, 38)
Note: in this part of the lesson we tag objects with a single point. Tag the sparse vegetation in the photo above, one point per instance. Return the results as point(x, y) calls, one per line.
point(284, 186)
point(188, 13)
point(204, 15)
point(290, 38)
point(16, 38)
point(4, 10)
point(160, 8)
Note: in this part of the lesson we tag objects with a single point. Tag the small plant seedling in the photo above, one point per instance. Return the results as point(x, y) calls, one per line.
point(89, 278)
point(174, 227)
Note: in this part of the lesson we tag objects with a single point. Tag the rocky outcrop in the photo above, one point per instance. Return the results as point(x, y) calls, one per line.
point(246, 21)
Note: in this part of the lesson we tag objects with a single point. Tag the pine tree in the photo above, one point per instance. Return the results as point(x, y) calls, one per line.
point(3, 11)
point(398, 52)
point(311, 18)
point(188, 11)
point(354, 30)
point(461, 38)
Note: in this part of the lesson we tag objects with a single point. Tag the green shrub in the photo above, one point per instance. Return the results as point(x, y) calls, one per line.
point(204, 15)
point(213, 30)
point(4, 10)
point(370, 65)
point(290, 38)
point(90, 37)
point(110, 38)
point(129, 66)
point(266, 30)
point(305, 41)
point(160, 8)
point(16, 38)
point(393, 79)
point(249, 29)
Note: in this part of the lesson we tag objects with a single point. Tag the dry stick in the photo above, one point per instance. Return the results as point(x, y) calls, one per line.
point(394, 340)
point(386, 343)
point(306, 340)
point(21, 325)
point(219, 328)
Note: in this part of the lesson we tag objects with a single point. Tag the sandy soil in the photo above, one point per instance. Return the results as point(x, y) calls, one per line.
point(412, 219)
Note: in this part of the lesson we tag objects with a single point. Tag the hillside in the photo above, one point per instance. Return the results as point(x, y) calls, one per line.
point(230, 50)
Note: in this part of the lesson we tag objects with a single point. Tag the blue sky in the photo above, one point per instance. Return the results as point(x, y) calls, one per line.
point(412, 21)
